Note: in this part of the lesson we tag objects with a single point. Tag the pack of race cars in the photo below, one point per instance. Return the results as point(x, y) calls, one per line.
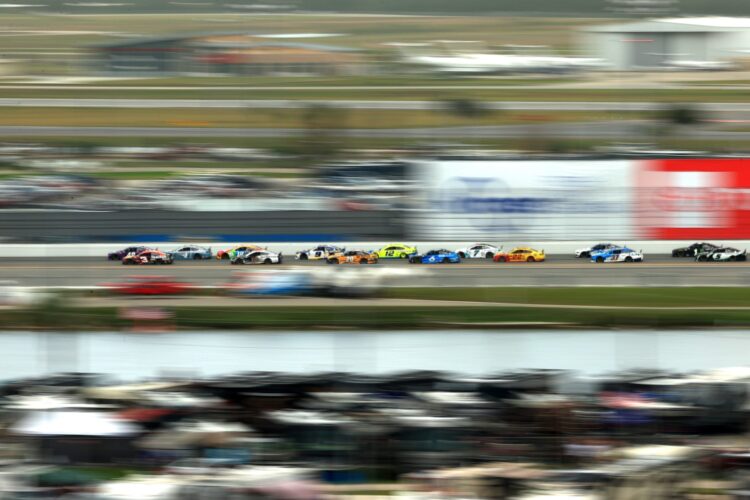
point(332, 254)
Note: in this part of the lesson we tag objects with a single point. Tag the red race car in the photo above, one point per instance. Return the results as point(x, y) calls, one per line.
point(150, 285)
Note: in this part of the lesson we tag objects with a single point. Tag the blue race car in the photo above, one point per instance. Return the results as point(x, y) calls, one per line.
point(191, 252)
point(617, 254)
point(441, 256)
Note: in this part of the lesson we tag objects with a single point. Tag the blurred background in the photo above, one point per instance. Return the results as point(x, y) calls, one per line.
point(185, 185)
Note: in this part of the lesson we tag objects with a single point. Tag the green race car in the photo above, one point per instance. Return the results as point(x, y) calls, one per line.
point(396, 251)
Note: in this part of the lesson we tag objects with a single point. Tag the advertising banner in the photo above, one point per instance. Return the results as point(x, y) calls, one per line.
point(531, 200)
point(693, 198)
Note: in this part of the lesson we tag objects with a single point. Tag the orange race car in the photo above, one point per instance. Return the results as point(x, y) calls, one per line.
point(520, 254)
point(353, 257)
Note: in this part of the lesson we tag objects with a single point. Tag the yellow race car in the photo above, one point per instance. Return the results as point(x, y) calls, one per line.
point(520, 254)
point(396, 251)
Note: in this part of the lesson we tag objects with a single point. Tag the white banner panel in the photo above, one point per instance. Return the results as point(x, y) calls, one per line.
point(516, 200)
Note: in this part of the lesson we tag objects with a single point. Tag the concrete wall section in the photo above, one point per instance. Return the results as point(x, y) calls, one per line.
point(163, 226)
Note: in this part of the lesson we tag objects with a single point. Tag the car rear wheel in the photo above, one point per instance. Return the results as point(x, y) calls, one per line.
point(267, 261)
point(600, 259)
point(462, 255)
point(197, 256)
point(224, 256)
point(488, 255)
point(531, 259)
point(628, 259)
point(303, 256)
point(732, 258)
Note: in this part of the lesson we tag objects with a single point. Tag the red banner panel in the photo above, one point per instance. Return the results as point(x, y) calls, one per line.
point(696, 198)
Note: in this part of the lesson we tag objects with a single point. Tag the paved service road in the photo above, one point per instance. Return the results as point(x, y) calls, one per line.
point(608, 129)
point(658, 270)
point(355, 104)
point(603, 129)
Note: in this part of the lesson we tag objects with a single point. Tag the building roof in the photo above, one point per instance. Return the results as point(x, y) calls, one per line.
point(712, 21)
point(287, 45)
point(224, 39)
point(677, 25)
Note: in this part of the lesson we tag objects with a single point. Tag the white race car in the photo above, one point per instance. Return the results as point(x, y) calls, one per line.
point(257, 257)
point(478, 251)
point(722, 254)
point(586, 252)
point(319, 252)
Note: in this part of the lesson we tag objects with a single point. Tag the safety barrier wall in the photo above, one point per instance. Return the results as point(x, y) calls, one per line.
point(100, 250)
point(459, 200)
point(173, 226)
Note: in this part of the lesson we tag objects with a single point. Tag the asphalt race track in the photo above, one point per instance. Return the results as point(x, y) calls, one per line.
point(558, 270)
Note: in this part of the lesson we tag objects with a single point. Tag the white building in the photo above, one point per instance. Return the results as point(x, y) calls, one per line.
point(680, 42)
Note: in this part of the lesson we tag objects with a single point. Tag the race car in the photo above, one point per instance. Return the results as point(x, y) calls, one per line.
point(618, 254)
point(353, 257)
point(149, 256)
point(586, 252)
point(150, 285)
point(319, 252)
point(478, 251)
point(257, 257)
point(119, 254)
point(441, 256)
point(694, 249)
point(520, 254)
point(722, 254)
point(272, 282)
point(396, 251)
point(231, 252)
point(191, 252)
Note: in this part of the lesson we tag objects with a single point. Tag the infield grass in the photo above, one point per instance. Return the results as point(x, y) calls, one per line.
point(703, 297)
point(287, 118)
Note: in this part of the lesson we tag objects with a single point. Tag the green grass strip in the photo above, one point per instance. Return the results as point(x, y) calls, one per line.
point(586, 296)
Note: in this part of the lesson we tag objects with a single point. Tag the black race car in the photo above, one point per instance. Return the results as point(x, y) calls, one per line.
point(694, 249)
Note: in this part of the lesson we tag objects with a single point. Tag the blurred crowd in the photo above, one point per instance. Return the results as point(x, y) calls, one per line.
point(177, 178)
point(419, 434)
